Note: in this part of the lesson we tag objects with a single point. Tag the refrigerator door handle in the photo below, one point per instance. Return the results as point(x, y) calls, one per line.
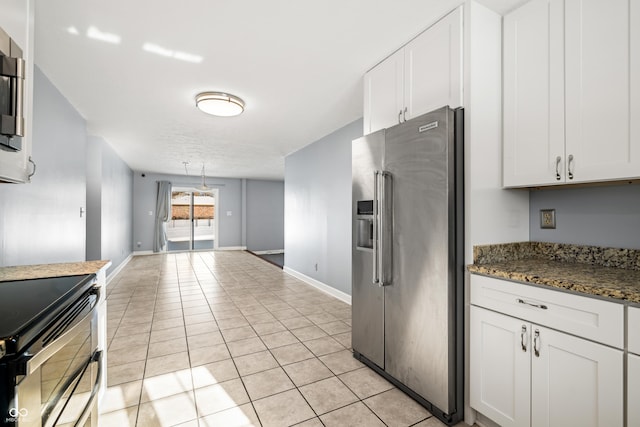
point(384, 231)
point(376, 249)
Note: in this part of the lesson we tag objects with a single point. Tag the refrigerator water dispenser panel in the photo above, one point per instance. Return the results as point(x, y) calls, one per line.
point(364, 225)
point(364, 234)
point(365, 207)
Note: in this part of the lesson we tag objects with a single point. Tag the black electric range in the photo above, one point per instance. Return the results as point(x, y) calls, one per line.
point(27, 307)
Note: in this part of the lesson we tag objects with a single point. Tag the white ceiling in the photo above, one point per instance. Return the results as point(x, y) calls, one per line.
point(298, 65)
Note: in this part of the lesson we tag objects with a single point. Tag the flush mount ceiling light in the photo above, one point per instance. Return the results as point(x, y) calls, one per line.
point(219, 104)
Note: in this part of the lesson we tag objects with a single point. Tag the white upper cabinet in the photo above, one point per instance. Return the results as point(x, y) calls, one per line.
point(571, 71)
point(16, 19)
point(383, 93)
point(423, 75)
point(433, 67)
point(597, 91)
point(533, 94)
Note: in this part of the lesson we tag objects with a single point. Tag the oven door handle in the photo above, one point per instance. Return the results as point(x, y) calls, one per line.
point(96, 358)
point(42, 356)
point(70, 385)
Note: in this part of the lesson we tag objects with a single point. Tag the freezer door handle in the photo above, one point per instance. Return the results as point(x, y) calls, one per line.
point(382, 201)
point(376, 189)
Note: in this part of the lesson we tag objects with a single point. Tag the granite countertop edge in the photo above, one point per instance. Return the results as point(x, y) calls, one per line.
point(42, 271)
point(562, 271)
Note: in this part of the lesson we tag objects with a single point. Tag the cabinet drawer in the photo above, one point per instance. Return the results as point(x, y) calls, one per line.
point(633, 328)
point(590, 318)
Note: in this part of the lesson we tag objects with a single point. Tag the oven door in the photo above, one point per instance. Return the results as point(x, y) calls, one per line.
point(62, 379)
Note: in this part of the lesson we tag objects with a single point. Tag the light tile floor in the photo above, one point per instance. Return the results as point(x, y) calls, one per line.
point(226, 339)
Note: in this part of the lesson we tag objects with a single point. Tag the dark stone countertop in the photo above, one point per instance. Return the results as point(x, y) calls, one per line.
point(595, 271)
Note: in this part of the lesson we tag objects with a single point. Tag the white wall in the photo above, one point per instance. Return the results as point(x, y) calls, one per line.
point(40, 222)
point(317, 188)
point(109, 204)
point(493, 215)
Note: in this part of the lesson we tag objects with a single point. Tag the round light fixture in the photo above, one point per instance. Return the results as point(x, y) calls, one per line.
point(219, 104)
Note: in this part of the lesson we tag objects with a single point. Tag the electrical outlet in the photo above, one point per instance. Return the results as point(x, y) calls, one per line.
point(547, 218)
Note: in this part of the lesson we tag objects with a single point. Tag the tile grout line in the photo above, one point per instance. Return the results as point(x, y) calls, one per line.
point(144, 371)
point(247, 274)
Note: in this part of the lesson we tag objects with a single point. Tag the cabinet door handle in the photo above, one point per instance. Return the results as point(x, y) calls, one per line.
point(521, 301)
point(558, 159)
point(536, 339)
point(523, 335)
point(33, 172)
point(400, 116)
point(569, 162)
point(404, 115)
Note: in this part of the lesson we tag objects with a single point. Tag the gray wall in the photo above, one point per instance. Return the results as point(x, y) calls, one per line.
point(318, 208)
point(40, 222)
point(601, 216)
point(144, 196)
point(94, 199)
point(109, 204)
point(265, 215)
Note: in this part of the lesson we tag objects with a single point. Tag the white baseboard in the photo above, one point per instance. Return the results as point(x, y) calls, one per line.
point(269, 252)
point(222, 248)
point(344, 297)
point(138, 253)
point(119, 268)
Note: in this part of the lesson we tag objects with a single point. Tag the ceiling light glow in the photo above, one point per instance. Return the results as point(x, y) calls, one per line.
point(73, 30)
point(162, 51)
point(219, 104)
point(96, 34)
point(188, 57)
point(158, 50)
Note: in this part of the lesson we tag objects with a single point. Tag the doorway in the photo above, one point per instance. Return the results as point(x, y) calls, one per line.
point(193, 224)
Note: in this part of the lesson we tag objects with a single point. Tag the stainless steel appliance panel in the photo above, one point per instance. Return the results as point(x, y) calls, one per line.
point(12, 75)
point(418, 313)
point(367, 297)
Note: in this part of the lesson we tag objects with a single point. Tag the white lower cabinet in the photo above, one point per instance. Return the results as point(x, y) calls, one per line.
point(575, 382)
point(523, 374)
point(633, 390)
point(500, 368)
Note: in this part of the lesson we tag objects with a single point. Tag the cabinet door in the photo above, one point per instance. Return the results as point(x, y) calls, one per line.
point(500, 367)
point(598, 91)
point(633, 390)
point(575, 382)
point(383, 92)
point(634, 66)
point(433, 67)
point(633, 330)
point(534, 94)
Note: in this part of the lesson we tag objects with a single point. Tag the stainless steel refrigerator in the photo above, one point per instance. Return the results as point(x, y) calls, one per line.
point(408, 258)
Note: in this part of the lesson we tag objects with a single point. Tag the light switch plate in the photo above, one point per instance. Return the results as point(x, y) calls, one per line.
point(547, 218)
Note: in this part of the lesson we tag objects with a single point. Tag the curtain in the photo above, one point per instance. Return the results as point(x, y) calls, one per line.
point(163, 209)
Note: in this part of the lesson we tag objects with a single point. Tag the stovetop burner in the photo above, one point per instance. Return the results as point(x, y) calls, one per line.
point(27, 306)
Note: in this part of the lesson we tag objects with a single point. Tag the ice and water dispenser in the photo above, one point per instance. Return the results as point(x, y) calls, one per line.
point(364, 224)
